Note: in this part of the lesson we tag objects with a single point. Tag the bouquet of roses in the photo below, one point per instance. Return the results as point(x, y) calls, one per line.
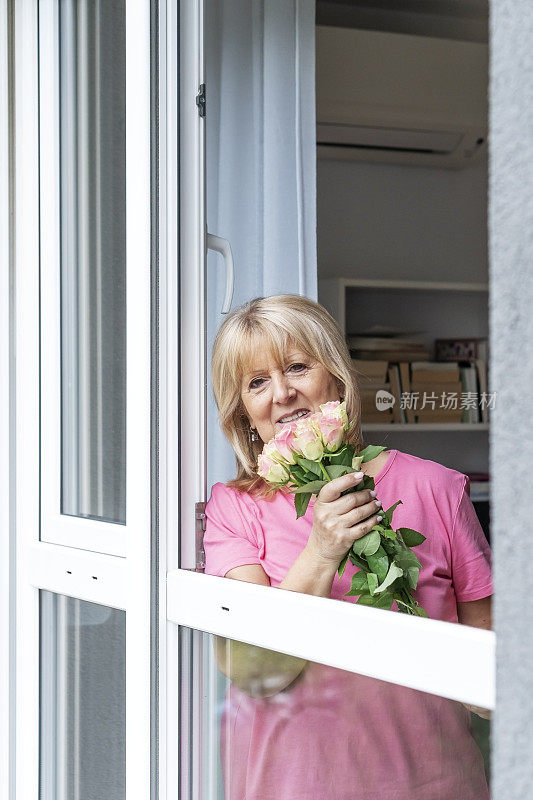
point(307, 453)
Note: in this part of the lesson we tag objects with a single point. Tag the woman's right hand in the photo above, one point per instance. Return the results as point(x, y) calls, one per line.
point(339, 521)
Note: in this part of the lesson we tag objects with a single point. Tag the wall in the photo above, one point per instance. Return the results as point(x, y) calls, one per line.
point(511, 320)
point(388, 221)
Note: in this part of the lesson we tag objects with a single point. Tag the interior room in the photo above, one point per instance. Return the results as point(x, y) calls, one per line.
point(402, 194)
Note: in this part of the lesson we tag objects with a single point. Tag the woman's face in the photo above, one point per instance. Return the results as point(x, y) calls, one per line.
point(273, 394)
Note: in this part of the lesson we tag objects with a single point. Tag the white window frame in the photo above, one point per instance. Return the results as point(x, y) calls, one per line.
point(87, 559)
point(445, 659)
point(5, 410)
point(72, 531)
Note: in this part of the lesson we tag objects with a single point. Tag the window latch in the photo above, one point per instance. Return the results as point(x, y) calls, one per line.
point(200, 100)
point(199, 528)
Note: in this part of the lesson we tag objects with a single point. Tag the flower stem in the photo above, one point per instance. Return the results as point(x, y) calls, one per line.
point(322, 467)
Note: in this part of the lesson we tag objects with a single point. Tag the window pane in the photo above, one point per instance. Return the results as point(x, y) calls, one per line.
point(289, 729)
point(92, 84)
point(83, 700)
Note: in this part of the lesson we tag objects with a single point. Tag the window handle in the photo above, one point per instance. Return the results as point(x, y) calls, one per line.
point(223, 247)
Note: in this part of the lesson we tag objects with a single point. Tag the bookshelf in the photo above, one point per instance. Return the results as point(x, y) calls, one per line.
point(440, 310)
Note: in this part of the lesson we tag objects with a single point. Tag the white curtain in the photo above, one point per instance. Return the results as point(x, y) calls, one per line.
point(261, 161)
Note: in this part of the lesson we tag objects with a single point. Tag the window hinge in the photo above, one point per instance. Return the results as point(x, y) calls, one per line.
point(199, 527)
point(200, 100)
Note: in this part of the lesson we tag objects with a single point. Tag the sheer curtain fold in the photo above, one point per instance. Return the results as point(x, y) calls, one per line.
point(261, 160)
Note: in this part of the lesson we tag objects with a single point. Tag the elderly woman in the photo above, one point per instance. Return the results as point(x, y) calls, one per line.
point(303, 731)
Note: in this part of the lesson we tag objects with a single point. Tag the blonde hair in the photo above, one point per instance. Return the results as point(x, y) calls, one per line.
point(278, 320)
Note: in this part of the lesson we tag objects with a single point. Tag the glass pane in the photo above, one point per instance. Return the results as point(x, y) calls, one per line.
point(289, 729)
point(83, 700)
point(92, 84)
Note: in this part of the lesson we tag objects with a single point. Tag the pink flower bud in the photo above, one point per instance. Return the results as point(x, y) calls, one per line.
point(272, 471)
point(332, 430)
point(284, 441)
point(308, 442)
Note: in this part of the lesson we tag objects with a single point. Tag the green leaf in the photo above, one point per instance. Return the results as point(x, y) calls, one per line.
point(366, 483)
point(310, 488)
point(357, 561)
point(359, 584)
point(370, 452)
point(356, 463)
point(388, 533)
point(394, 572)
point(342, 565)
point(372, 580)
point(379, 563)
point(387, 516)
point(410, 537)
point(310, 466)
point(412, 576)
point(336, 470)
point(406, 558)
point(384, 600)
point(367, 544)
point(301, 501)
point(343, 456)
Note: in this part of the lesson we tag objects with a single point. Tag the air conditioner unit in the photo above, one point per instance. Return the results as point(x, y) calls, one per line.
point(403, 99)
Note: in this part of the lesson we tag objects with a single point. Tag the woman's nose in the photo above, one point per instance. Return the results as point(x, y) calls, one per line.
point(282, 390)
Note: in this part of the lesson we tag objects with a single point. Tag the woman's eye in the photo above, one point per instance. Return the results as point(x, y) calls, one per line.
point(298, 367)
point(256, 383)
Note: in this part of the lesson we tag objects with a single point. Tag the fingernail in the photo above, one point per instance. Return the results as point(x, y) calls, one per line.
point(379, 519)
point(357, 475)
point(373, 493)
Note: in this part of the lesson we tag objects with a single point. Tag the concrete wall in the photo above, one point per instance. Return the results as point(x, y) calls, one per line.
point(511, 320)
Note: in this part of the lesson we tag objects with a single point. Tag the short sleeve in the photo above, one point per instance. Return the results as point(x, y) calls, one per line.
point(229, 538)
point(471, 556)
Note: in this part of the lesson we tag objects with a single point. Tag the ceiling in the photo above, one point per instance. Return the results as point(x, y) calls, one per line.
point(447, 19)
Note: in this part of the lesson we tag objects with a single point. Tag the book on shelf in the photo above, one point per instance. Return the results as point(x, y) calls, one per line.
point(390, 355)
point(437, 387)
point(429, 414)
point(405, 381)
point(466, 349)
point(378, 343)
point(481, 368)
point(398, 413)
point(476, 351)
point(435, 371)
point(469, 384)
point(377, 417)
point(388, 344)
point(370, 371)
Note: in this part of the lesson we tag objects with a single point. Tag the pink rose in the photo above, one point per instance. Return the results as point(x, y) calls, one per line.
point(308, 442)
point(332, 430)
point(336, 409)
point(285, 442)
point(272, 471)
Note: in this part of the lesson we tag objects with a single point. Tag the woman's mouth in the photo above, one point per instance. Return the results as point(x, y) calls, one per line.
point(298, 414)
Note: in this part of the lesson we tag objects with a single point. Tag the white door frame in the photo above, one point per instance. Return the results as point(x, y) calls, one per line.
point(446, 659)
point(87, 559)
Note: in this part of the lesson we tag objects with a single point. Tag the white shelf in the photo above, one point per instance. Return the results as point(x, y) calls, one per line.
point(426, 426)
point(479, 491)
point(332, 291)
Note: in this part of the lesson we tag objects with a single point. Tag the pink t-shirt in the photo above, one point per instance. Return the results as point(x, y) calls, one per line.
point(334, 735)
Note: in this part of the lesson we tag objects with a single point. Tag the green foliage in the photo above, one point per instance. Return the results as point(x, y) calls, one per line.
point(410, 537)
point(313, 487)
point(336, 470)
point(388, 570)
point(301, 501)
point(367, 544)
point(370, 452)
point(343, 456)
